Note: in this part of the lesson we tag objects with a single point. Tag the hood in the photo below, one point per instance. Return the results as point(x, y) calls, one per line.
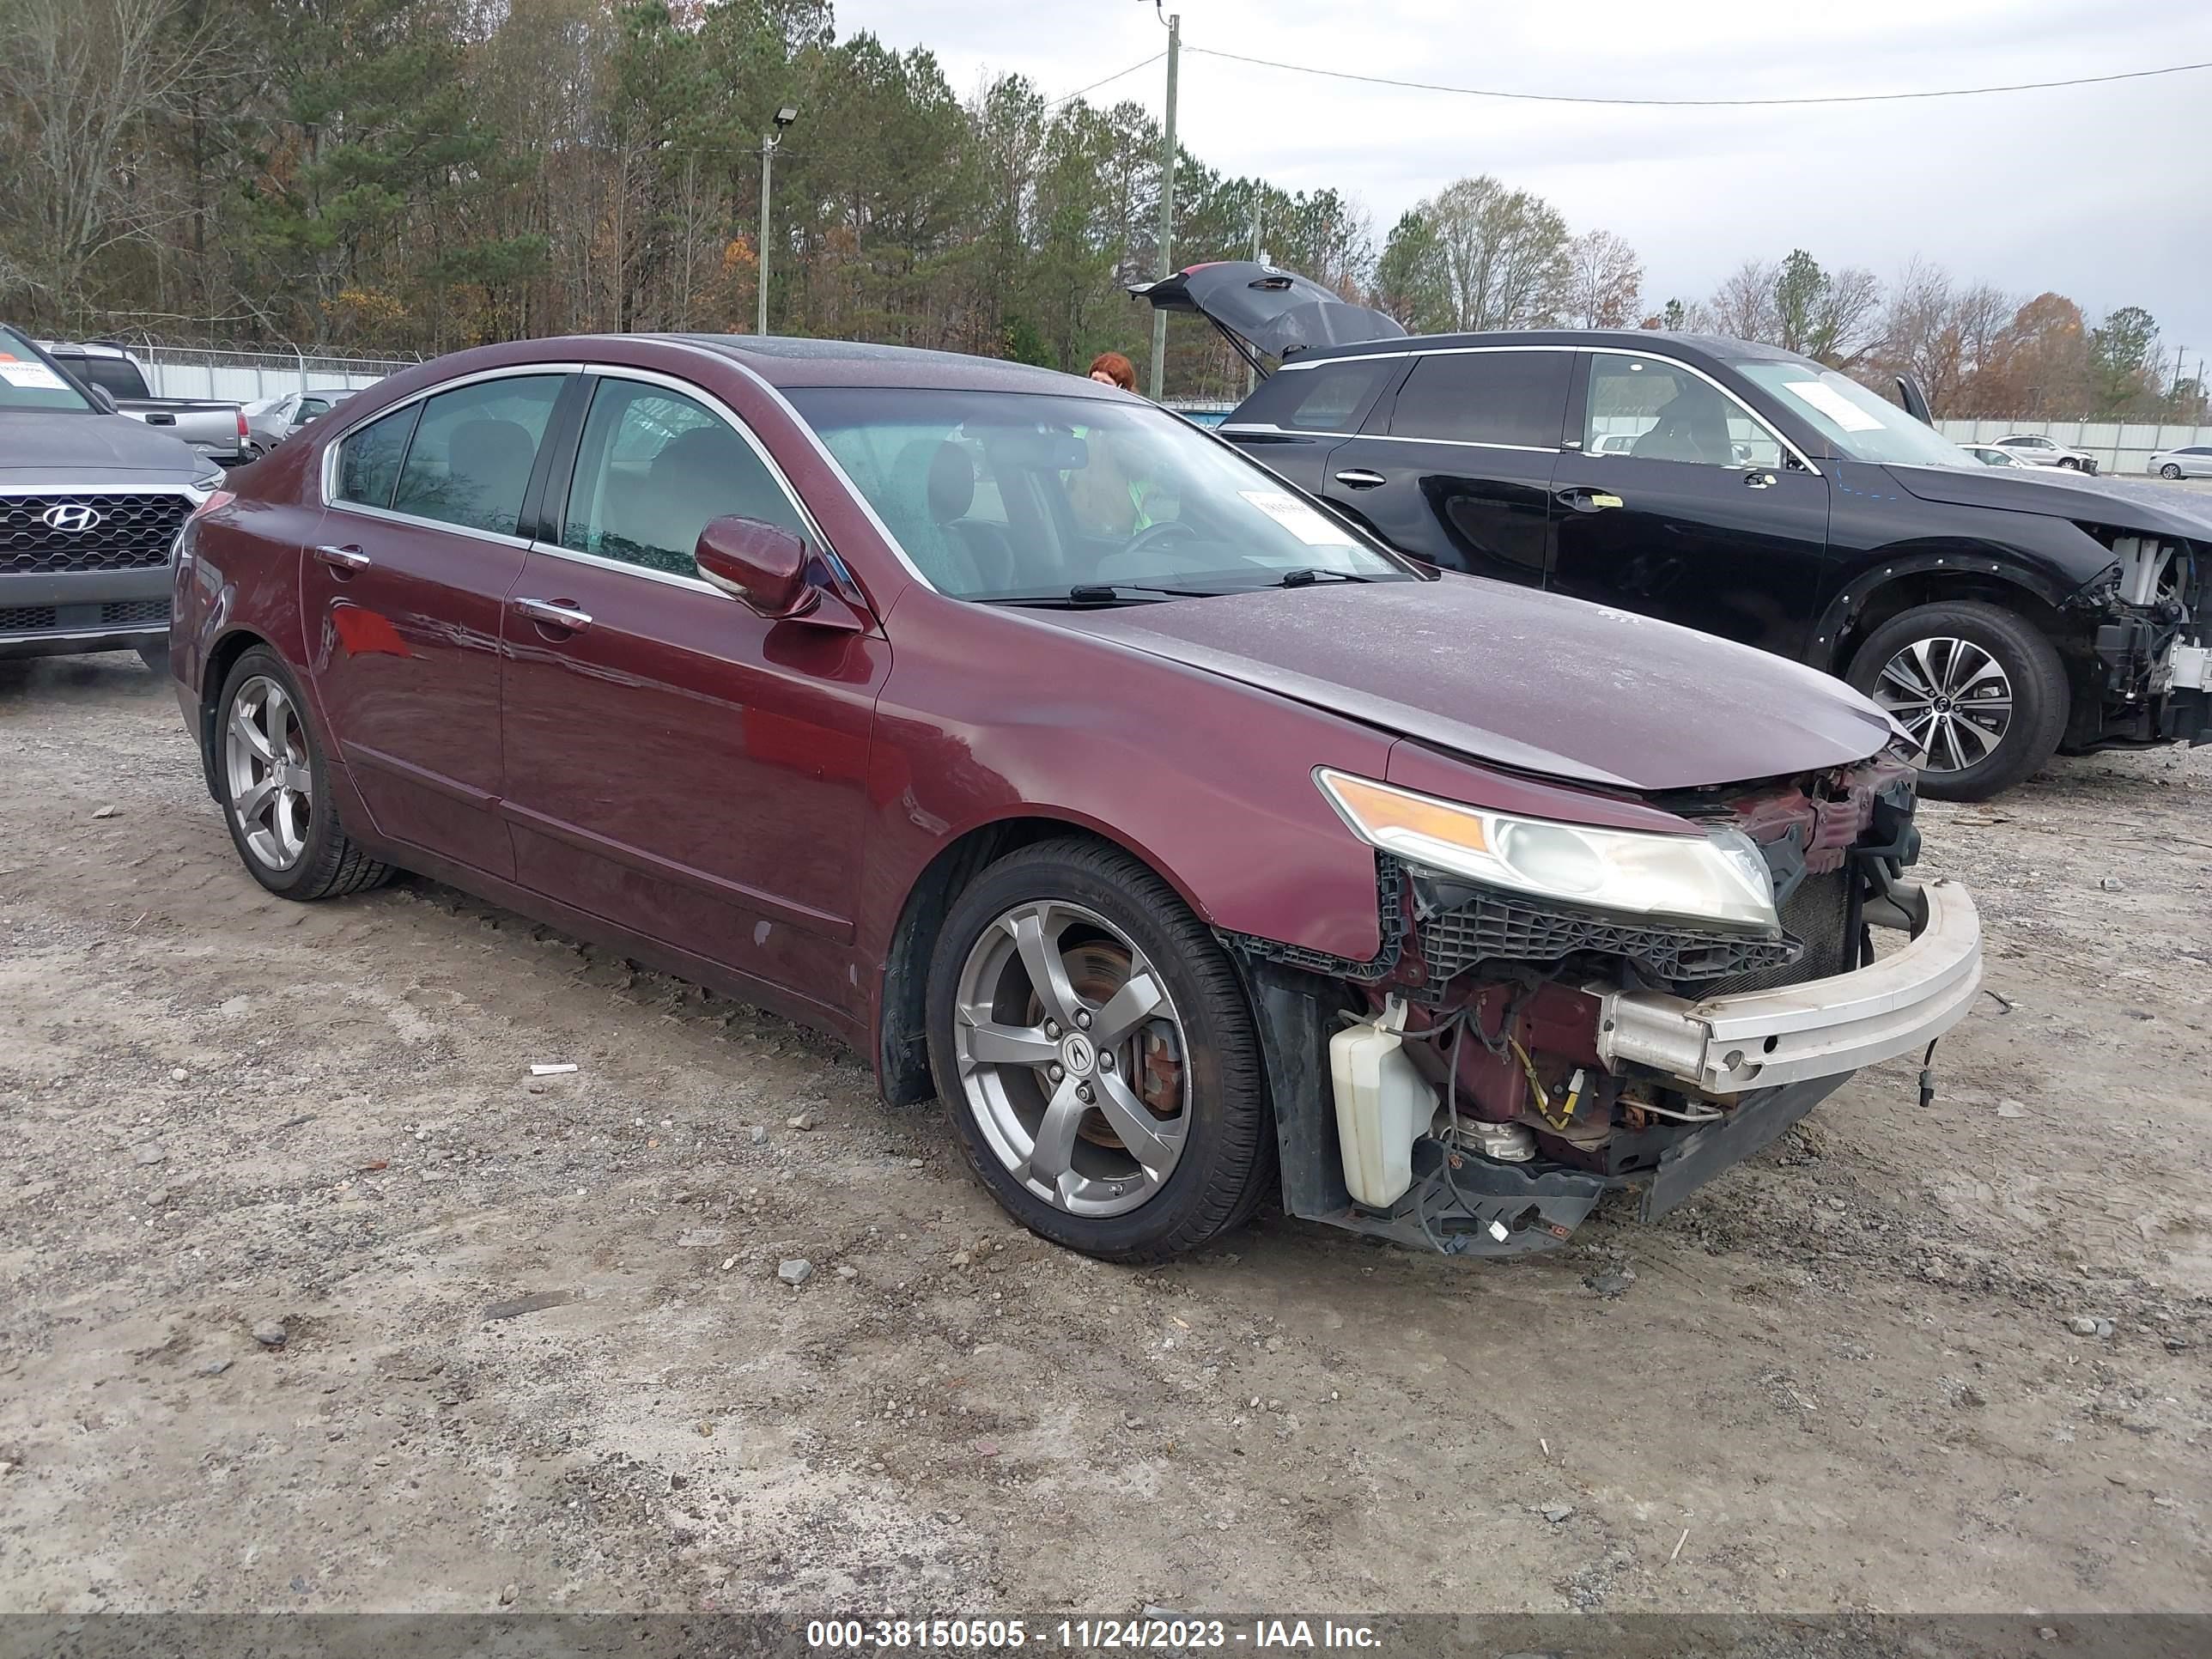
point(2056, 494)
point(1531, 681)
point(63, 446)
point(1279, 312)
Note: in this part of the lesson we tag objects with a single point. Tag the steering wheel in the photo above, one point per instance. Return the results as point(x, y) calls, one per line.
point(1159, 535)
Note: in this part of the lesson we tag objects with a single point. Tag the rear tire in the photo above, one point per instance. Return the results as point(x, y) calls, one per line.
point(1939, 669)
point(1075, 1138)
point(275, 786)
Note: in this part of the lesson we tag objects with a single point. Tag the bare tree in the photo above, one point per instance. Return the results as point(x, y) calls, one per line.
point(1742, 306)
point(1500, 253)
point(84, 76)
point(1604, 281)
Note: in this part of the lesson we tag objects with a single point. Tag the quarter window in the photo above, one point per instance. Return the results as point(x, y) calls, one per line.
point(368, 460)
point(469, 462)
point(1665, 413)
point(1514, 399)
point(1326, 398)
point(654, 467)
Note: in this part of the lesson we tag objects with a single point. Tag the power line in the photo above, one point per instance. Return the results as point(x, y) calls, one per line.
point(1691, 103)
point(1070, 97)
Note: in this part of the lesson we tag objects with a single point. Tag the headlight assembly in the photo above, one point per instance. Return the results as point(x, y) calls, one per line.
point(1715, 878)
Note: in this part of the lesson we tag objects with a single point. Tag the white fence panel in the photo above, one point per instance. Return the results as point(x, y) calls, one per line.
point(2118, 448)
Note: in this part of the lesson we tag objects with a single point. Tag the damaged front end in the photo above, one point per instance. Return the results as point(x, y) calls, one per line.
point(2149, 664)
point(1507, 1059)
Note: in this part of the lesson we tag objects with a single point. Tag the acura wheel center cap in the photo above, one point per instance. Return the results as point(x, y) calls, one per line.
point(1076, 1053)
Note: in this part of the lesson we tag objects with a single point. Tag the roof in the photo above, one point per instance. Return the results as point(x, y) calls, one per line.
point(783, 361)
point(1714, 346)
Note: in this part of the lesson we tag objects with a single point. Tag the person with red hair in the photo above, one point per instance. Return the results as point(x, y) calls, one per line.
point(1112, 368)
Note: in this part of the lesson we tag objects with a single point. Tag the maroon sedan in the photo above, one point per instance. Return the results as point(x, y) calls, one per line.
point(1187, 843)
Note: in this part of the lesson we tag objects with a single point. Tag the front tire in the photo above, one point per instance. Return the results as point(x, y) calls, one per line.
point(155, 655)
point(2068, 464)
point(277, 794)
point(2170, 471)
point(1976, 685)
point(1094, 1045)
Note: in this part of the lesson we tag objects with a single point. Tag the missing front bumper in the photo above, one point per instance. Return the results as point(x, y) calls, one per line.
point(1824, 1028)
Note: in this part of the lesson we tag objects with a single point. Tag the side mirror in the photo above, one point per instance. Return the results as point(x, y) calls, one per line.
point(102, 399)
point(761, 567)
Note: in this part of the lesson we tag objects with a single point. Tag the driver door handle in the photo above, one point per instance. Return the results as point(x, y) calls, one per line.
point(1757, 479)
point(554, 614)
point(1582, 498)
point(344, 559)
point(1359, 477)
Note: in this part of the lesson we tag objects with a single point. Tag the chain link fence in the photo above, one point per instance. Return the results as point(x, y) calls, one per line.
point(246, 376)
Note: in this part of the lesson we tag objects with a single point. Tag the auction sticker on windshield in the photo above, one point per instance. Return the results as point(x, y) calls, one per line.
point(1832, 404)
point(1310, 527)
point(31, 375)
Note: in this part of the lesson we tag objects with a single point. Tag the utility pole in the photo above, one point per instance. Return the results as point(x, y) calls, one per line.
point(770, 139)
point(1167, 205)
point(2177, 352)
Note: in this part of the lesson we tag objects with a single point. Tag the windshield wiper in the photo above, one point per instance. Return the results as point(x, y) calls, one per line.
point(1085, 595)
point(1305, 576)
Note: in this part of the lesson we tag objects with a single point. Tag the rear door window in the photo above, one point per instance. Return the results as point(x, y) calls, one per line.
point(368, 460)
point(1512, 399)
point(469, 462)
point(118, 376)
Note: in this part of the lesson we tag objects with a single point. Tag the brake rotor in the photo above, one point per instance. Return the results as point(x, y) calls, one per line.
point(1151, 1055)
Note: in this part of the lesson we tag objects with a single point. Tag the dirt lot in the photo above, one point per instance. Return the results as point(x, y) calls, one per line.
point(1847, 1373)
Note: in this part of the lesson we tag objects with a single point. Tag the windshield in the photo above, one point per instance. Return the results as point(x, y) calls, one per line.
point(1001, 495)
point(26, 382)
point(1862, 426)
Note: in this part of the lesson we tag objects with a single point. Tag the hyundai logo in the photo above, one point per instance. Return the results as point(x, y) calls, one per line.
point(72, 518)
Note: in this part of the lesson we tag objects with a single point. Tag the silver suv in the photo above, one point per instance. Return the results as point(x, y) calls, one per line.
point(90, 505)
point(2037, 450)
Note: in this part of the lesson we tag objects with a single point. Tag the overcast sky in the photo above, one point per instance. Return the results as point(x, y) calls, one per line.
point(2104, 192)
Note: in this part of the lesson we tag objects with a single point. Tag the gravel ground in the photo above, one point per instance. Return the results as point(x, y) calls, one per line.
point(318, 1300)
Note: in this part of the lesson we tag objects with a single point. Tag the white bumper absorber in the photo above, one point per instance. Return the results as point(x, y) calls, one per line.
point(1727, 1045)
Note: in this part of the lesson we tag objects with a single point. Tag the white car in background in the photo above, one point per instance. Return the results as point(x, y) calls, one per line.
point(1990, 455)
point(2193, 461)
point(2038, 451)
point(272, 420)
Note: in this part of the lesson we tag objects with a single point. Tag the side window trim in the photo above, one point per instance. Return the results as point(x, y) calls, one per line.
point(1758, 421)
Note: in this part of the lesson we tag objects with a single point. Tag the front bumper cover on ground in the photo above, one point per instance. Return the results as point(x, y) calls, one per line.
point(1729, 1045)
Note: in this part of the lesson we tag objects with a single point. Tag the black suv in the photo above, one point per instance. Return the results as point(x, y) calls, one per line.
point(1746, 492)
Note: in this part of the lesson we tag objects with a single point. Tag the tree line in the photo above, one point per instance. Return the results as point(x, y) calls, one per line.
point(418, 175)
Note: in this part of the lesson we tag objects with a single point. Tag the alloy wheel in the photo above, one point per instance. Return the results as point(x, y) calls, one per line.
point(265, 768)
point(2169, 471)
point(1952, 697)
point(1072, 1058)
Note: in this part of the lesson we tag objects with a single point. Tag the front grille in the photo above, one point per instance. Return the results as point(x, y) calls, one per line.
point(122, 613)
point(1492, 926)
point(26, 618)
point(1818, 915)
point(133, 532)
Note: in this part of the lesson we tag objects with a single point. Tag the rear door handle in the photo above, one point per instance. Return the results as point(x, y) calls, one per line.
point(1583, 499)
point(345, 559)
point(554, 614)
point(1359, 477)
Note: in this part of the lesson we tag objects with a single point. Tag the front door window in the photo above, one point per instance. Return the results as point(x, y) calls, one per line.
point(1657, 411)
